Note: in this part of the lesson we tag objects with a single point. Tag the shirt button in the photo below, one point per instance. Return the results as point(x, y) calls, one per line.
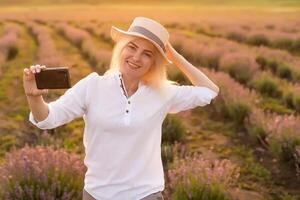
point(128, 102)
point(127, 111)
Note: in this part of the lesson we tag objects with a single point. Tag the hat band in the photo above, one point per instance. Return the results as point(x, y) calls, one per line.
point(148, 34)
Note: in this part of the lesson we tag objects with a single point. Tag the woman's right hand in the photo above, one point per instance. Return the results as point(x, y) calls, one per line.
point(29, 83)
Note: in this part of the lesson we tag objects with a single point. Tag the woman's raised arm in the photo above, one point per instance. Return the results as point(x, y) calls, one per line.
point(195, 75)
point(36, 103)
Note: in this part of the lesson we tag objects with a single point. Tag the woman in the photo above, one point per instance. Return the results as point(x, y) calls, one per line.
point(123, 111)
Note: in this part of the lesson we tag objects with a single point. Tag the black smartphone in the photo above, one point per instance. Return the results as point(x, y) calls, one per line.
point(53, 78)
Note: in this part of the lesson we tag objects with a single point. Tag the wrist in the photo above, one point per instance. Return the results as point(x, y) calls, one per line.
point(33, 97)
point(177, 58)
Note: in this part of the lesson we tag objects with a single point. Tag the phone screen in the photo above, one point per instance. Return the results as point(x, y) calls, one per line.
point(53, 78)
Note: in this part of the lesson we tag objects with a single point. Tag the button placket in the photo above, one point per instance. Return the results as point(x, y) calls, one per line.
point(127, 113)
point(122, 86)
point(128, 103)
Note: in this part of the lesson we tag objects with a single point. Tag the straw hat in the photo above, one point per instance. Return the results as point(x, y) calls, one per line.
point(148, 29)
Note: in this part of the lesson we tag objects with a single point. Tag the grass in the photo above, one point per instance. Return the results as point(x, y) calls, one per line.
point(251, 169)
point(274, 105)
point(98, 41)
point(209, 136)
point(71, 56)
point(13, 102)
point(71, 134)
point(1, 29)
point(13, 105)
point(218, 139)
point(7, 141)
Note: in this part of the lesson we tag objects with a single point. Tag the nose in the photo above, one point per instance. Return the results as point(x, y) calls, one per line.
point(136, 57)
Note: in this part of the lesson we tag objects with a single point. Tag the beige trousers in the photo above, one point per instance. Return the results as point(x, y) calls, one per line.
point(154, 196)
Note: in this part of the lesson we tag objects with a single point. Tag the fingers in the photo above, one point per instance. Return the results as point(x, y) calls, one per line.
point(37, 68)
point(169, 45)
point(45, 91)
point(27, 71)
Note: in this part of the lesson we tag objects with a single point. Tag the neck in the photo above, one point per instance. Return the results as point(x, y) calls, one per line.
point(131, 84)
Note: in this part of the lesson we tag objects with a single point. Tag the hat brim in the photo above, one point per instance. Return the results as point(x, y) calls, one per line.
point(117, 33)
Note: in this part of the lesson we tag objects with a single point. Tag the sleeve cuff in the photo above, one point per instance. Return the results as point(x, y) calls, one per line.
point(210, 95)
point(46, 123)
point(213, 94)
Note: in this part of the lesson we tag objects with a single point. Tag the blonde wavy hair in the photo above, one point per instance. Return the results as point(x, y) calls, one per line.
point(157, 74)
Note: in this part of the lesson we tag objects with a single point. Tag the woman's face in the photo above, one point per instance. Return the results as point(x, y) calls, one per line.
point(137, 57)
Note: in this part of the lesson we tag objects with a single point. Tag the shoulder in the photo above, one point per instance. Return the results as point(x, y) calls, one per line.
point(95, 78)
point(88, 78)
point(170, 88)
point(165, 91)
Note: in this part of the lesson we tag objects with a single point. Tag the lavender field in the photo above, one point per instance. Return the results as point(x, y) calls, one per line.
point(244, 145)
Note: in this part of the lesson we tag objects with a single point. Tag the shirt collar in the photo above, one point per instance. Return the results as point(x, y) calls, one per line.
point(118, 75)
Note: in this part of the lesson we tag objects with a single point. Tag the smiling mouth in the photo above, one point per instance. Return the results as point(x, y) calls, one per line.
point(132, 65)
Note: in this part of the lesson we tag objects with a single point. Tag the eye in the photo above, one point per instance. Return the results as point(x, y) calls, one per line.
point(149, 55)
point(131, 47)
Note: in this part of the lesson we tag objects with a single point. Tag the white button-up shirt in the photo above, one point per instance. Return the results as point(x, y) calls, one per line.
point(122, 136)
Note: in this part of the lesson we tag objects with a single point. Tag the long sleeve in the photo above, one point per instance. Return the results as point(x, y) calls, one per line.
point(187, 97)
point(71, 105)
